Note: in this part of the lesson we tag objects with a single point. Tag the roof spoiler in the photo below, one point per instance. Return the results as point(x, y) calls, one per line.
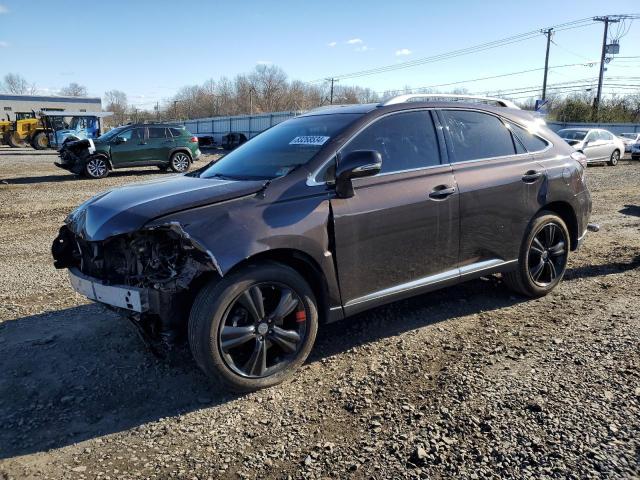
point(447, 96)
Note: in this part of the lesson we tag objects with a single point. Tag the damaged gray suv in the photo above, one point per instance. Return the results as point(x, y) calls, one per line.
point(327, 215)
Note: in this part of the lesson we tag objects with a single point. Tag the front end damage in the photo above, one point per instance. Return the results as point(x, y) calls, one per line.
point(74, 155)
point(147, 275)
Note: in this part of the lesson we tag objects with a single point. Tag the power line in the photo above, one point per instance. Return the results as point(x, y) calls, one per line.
point(464, 51)
point(492, 77)
point(535, 88)
point(579, 90)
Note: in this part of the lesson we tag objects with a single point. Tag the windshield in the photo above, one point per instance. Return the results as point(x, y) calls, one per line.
point(632, 136)
point(572, 134)
point(279, 150)
point(112, 133)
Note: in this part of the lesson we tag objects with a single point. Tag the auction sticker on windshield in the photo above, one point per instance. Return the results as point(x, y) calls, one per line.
point(309, 140)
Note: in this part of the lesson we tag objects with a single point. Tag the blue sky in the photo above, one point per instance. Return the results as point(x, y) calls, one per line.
point(149, 49)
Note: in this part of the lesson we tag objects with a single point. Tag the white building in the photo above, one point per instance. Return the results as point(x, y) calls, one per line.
point(11, 104)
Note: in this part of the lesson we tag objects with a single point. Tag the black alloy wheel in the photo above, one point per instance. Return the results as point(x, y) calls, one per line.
point(262, 330)
point(255, 327)
point(547, 257)
point(543, 257)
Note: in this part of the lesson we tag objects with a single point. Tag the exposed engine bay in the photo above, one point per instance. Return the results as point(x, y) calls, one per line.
point(74, 154)
point(162, 260)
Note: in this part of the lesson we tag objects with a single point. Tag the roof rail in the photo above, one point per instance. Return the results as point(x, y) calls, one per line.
point(430, 96)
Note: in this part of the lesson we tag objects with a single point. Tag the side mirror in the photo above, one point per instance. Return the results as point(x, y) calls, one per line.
point(120, 140)
point(357, 164)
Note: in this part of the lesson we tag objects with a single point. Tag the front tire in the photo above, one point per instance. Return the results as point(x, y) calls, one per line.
point(96, 167)
point(543, 257)
point(615, 156)
point(40, 141)
point(254, 328)
point(179, 162)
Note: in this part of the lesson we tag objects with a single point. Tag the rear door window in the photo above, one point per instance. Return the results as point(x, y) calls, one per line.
point(605, 136)
point(404, 140)
point(156, 132)
point(592, 136)
point(476, 135)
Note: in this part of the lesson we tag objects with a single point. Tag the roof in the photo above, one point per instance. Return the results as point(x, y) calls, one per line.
point(50, 98)
point(152, 124)
point(407, 105)
point(71, 113)
point(333, 109)
point(426, 97)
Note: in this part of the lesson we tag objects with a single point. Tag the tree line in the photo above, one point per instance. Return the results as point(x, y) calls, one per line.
point(268, 89)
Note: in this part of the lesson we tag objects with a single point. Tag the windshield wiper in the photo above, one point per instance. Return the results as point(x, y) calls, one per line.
point(224, 177)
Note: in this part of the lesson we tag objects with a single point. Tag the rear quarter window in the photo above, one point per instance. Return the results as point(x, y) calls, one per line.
point(176, 132)
point(531, 142)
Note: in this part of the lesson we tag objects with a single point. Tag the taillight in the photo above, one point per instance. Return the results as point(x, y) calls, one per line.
point(581, 158)
point(194, 140)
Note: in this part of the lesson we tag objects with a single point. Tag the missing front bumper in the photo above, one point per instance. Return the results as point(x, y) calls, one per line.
point(128, 298)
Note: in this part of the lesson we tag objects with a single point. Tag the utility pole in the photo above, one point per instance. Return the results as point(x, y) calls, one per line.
point(175, 109)
point(606, 21)
point(158, 110)
point(251, 90)
point(547, 32)
point(331, 94)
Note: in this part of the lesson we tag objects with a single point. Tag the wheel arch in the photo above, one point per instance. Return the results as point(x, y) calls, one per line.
point(179, 149)
point(568, 215)
point(103, 155)
point(302, 263)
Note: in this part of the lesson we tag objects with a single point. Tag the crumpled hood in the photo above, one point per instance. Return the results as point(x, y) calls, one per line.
point(129, 208)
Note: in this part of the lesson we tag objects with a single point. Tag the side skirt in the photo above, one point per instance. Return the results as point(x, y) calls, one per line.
point(428, 284)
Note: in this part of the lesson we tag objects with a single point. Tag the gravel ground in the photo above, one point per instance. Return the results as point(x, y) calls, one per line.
point(468, 382)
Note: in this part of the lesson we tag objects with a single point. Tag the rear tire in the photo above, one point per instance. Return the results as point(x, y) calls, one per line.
point(96, 167)
point(615, 156)
point(179, 162)
point(543, 256)
point(14, 141)
point(40, 141)
point(228, 305)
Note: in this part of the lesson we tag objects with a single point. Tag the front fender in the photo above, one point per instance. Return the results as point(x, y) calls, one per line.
point(239, 229)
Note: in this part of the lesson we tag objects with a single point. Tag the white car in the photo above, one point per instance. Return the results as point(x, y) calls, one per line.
point(629, 140)
point(597, 145)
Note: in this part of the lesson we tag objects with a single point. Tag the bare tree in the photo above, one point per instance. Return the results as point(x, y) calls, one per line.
point(116, 101)
point(17, 84)
point(74, 90)
point(270, 83)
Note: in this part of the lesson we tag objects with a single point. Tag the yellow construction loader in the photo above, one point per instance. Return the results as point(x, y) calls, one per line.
point(21, 131)
point(5, 125)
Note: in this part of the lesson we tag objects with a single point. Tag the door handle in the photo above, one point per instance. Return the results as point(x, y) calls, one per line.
point(441, 192)
point(531, 176)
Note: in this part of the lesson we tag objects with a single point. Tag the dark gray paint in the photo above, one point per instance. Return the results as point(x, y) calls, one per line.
point(367, 247)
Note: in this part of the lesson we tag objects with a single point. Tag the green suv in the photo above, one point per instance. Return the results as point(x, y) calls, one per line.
point(163, 145)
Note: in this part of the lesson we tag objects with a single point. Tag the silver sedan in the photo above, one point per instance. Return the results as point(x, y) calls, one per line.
point(598, 145)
